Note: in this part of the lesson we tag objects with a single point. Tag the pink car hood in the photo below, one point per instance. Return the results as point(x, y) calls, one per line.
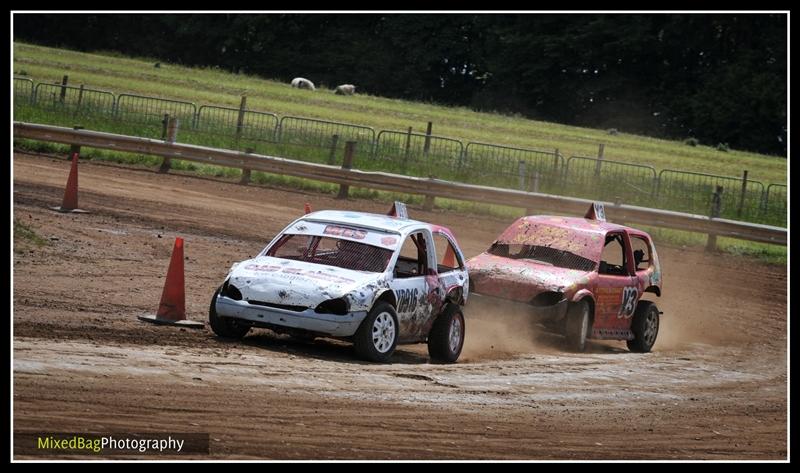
point(521, 280)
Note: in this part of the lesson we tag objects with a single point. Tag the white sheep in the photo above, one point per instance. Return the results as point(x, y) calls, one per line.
point(302, 83)
point(345, 89)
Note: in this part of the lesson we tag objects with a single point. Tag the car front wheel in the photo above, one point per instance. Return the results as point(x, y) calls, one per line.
point(577, 329)
point(223, 326)
point(376, 338)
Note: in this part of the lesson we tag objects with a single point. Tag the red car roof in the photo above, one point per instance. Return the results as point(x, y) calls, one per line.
point(576, 223)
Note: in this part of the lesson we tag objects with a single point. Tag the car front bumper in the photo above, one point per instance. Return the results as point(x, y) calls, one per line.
point(481, 305)
point(309, 320)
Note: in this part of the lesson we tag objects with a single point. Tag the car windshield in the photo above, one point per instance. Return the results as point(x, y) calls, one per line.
point(342, 253)
point(542, 254)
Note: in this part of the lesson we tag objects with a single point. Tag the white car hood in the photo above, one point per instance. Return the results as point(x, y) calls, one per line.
point(289, 282)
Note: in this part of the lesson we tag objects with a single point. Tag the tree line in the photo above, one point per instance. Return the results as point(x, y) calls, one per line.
point(716, 78)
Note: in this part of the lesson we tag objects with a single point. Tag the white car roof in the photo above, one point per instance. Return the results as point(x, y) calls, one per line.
point(372, 221)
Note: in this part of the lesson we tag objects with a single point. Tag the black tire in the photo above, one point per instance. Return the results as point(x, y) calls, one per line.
point(223, 326)
point(446, 338)
point(373, 340)
point(578, 325)
point(644, 327)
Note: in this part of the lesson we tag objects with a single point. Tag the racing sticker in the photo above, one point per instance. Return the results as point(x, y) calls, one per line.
point(345, 232)
point(628, 305)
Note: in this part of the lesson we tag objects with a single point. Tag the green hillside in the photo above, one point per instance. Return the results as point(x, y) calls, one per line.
point(209, 86)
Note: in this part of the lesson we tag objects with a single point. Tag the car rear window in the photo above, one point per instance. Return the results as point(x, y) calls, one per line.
point(346, 254)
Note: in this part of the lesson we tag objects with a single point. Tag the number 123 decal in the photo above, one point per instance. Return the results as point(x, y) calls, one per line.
point(628, 306)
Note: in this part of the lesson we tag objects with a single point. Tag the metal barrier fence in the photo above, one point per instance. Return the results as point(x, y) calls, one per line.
point(774, 209)
point(409, 153)
point(692, 192)
point(610, 180)
point(246, 124)
point(514, 168)
point(419, 154)
point(151, 110)
point(23, 90)
point(398, 183)
point(313, 133)
point(74, 100)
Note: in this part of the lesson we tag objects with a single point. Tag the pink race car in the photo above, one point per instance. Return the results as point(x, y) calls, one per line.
point(582, 277)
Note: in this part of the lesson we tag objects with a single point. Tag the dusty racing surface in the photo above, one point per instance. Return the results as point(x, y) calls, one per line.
point(713, 388)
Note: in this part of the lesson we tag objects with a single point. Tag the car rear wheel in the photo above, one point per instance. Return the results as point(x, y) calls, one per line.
point(446, 338)
point(577, 330)
point(223, 326)
point(644, 327)
point(376, 338)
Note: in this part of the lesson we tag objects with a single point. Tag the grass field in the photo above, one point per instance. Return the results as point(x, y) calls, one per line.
point(213, 87)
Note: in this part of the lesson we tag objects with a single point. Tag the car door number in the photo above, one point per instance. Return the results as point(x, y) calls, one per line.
point(628, 305)
point(407, 300)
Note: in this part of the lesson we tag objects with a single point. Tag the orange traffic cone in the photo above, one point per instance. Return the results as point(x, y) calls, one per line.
point(172, 309)
point(70, 202)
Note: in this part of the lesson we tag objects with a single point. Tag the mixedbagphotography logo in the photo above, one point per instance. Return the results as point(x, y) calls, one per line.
point(102, 444)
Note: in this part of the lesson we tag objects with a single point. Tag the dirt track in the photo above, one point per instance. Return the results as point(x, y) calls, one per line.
point(714, 387)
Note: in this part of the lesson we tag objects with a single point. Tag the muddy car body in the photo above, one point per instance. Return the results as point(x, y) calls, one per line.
point(372, 279)
point(583, 277)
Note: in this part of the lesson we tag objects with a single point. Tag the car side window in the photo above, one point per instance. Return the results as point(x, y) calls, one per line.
point(612, 260)
point(641, 253)
point(447, 258)
point(413, 258)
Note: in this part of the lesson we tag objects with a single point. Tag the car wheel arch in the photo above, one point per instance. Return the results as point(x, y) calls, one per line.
point(654, 289)
point(386, 295)
point(585, 294)
point(455, 295)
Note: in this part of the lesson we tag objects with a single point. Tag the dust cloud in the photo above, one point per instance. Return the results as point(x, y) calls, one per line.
point(501, 330)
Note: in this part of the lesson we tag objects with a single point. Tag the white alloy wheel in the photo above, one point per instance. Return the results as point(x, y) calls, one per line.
point(383, 332)
point(456, 333)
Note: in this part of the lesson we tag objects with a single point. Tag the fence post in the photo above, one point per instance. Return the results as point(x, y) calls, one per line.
point(716, 205)
point(172, 129)
point(245, 171)
point(164, 123)
point(347, 163)
point(75, 148)
point(240, 119)
point(63, 95)
point(332, 155)
point(428, 139)
point(80, 99)
point(599, 162)
point(555, 162)
point(172, 134)
point(741, 198)
point(427, 205)
point(522, 171)
point(408, 149)
point(556, 172)
point(534, 189)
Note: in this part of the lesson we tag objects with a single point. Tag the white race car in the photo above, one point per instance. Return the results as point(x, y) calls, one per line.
point(376, 280)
